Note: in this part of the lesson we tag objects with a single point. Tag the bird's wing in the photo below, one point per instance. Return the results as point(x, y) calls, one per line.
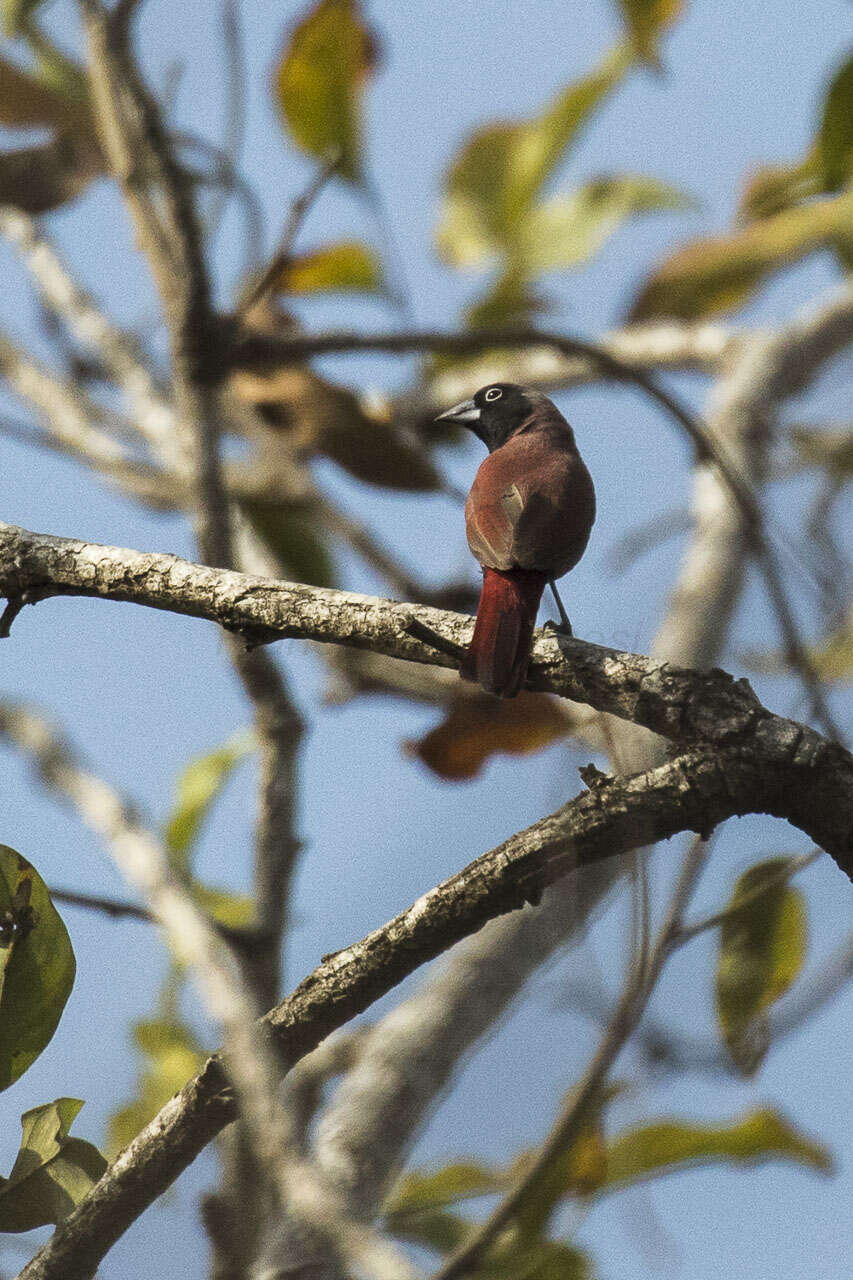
point(490, 524)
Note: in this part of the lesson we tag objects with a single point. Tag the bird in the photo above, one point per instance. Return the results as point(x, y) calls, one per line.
point(528, 519)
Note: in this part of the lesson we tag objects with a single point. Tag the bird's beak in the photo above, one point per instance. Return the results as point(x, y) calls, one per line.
point(466, 412)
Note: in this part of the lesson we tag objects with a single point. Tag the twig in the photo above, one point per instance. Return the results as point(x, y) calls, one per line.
point(284, 254)
point(115, 907)
point(236, 80)
point(119, 351)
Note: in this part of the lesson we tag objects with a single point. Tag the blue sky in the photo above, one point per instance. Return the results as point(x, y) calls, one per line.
point(145, 692)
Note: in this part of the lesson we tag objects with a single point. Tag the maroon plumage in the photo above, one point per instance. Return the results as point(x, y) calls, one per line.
point(528, 518)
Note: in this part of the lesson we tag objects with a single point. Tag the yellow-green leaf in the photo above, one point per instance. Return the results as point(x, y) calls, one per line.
point(646, 20)
point(776, 187)
point(462, 1180)
point(37, 966)
point(234, 910)
point(321, 79)
point(500, 170)
point(539, 1259)
point(348, 266)
point(714, 275)
point(198, 786)
point(171, 1056)
point(569, 229)
point(653, 1151)
point(52, 1172)
point(835, 139)
point(762, 949)
point(435, 1229)
point(832, 659)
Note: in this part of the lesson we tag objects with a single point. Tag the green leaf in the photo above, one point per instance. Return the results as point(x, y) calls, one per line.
point(645, 21)
point(762, 949)
point(52, 1172)
point(709, 276)
point(320, 82)
point(171, 1057)
point(569, 229)
point(198, 786)
point(296, 539)
point(537, 1260)
point(234, 910)
point(497, 175)
point(776, 187)
point(670, 1146)
point(348, 266)
point(433, 1228)
point(835, 139)
point(428, 1190)
point(37, 966)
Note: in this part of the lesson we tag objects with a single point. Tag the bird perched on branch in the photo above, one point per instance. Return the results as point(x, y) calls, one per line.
point(528, 519)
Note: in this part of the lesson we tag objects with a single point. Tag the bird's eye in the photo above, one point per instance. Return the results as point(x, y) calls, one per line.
point(493, 393)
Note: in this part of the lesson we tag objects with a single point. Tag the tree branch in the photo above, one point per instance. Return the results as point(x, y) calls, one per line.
point(774, 773)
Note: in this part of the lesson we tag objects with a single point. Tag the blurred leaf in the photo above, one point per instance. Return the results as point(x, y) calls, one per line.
point(234, 910)
point(36, 966)
point(762, 949)
point(172, 1056)
point(296, 539)
point(320, 82)
point(835, 139)
point(669, 1146)
point(476, 727)
point(15, 13)
point(38, 179)
point(831, 449)
point(719, 273)
point(344, 267)
point(569, 229)
point(511, 300)
point(577, 1169)
point(28, 100)
point(52, 1172)
point(776, 187)
point(428, 1190)
point(645, 21)
point(831, 657)
point(198, 786)
point(434, 1229)
point(534, 1260)
point(323, 419)
point(500, 170)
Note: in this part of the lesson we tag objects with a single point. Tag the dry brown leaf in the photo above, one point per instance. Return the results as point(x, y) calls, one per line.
point(479, 726)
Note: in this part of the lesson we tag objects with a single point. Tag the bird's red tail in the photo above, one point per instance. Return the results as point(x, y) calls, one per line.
point(499, 651)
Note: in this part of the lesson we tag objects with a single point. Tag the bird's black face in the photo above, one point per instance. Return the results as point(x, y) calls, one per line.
point(495, 412)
